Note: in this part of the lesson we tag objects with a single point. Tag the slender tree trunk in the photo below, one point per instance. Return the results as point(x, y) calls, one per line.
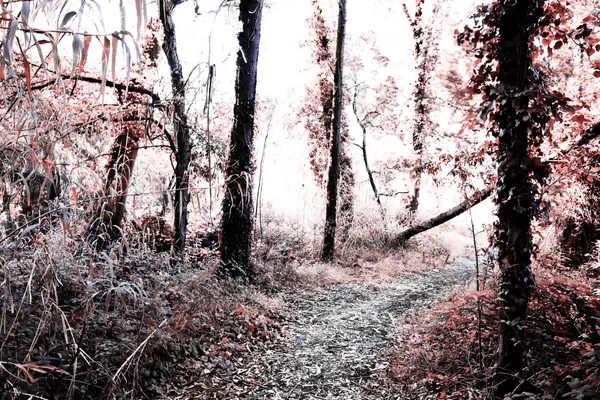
point(180, 124)
point(334, 169)
point(515, 189)
point(258, 209)
point(317, 113)
point(237, 220)
point(370, 173)
point(363, 148)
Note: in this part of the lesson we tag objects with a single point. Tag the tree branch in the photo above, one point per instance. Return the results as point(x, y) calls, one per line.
point(119, 86)
point(443, 217)
point(587, 136)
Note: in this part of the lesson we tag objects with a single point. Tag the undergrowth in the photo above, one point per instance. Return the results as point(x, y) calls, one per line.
point(445, 357)
point(123, 323)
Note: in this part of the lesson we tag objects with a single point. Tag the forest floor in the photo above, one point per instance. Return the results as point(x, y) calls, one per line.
point(305, 331)
point(338, 337)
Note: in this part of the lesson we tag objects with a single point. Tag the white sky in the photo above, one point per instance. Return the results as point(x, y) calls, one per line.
point(285, 71)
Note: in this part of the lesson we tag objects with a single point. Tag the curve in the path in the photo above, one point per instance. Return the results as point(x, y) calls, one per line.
point(337, 336)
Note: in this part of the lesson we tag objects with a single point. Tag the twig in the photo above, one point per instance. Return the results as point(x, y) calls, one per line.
point(128, 360)
point(479, 322)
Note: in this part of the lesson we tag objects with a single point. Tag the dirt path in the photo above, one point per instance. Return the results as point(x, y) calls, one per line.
point(337, 337)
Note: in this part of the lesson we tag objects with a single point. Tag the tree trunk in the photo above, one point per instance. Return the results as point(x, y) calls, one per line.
point(108, 218)
point(237, 219)
point(317, 112)
point(418, 130)
point(422, 48)
point(347, 182)
point(182, 130)
point(443, 217)
point(370, 173)
point(515, 189)
point(363, 148)
point(334, 169)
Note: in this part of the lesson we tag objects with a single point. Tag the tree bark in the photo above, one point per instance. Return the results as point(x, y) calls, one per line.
point(108, 217)
point(422, 120)
point(443, 217)
point(237, 219)
point(328, 253)
point(515, 188)
point(181, 128)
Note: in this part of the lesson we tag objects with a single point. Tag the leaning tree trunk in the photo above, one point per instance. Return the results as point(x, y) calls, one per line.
point(108, 218)
point(182, 130)
point(446, 216)
point(237, 219)
point(515, 189)
point(334, 168)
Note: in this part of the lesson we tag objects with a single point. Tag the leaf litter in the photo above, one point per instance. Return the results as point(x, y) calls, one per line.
point(338, 338)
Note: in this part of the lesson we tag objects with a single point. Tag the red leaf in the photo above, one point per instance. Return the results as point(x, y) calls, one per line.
point(74, 193)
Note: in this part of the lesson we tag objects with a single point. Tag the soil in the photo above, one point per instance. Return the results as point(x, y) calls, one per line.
point(338, 338)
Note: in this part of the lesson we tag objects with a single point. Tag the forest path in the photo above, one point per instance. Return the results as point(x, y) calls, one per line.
point(336, 337)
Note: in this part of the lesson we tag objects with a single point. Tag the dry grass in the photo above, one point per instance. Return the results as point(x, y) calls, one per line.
point(75, 325)
point(440, 352)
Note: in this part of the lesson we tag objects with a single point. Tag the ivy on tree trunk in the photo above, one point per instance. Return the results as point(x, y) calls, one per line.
point(516, 189)
point(237, 220)
point(424, 56)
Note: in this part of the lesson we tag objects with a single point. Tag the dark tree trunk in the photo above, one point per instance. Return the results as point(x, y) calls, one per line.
point(237, 220)
point(443, 217)
point(334, 169)
point(108, 218)
point(180, 124)
point(515, 189)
